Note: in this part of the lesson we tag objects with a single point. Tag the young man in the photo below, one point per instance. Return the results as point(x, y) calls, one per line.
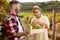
point(42, 22)
point(14, 27)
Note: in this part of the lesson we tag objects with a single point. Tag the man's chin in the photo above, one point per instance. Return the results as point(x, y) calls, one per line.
point(17, 12)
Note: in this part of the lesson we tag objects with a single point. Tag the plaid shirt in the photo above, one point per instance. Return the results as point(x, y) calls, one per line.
point(12, 25)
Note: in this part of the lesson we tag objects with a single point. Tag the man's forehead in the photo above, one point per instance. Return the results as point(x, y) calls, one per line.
point(18, 4)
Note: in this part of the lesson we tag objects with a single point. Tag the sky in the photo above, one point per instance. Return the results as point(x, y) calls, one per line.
point(35, 0)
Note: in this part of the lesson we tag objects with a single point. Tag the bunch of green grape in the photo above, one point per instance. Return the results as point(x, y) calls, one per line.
point(34, 26)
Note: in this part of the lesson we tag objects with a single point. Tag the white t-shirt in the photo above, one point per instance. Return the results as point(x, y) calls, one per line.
point(19, 26)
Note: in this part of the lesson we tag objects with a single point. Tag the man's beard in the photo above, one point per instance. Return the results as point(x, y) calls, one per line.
point(17, 10)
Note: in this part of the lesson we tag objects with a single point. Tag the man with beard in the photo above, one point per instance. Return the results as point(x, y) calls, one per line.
point(14, 27)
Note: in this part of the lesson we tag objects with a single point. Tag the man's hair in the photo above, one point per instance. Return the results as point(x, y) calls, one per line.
point(13, 2)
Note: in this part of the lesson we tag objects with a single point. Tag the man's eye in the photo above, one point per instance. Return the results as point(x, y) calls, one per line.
point(35, 12)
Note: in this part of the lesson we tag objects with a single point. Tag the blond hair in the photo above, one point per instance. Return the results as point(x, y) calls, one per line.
point(36, 7)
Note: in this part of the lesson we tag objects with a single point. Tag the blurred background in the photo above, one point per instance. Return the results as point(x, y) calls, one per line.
point(26, 14)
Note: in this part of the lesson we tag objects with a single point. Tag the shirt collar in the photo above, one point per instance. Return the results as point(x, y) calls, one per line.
point(13, 14)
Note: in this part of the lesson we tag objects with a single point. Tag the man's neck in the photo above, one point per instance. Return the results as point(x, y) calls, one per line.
point(13, 11)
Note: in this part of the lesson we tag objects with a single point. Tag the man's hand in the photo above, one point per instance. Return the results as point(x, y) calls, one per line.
point(26, 33)
point(18, 35)
point(21, 34)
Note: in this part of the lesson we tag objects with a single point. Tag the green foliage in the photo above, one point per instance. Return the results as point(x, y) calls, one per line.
point(34, 26)
point(3, 6)
point(46, 6)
